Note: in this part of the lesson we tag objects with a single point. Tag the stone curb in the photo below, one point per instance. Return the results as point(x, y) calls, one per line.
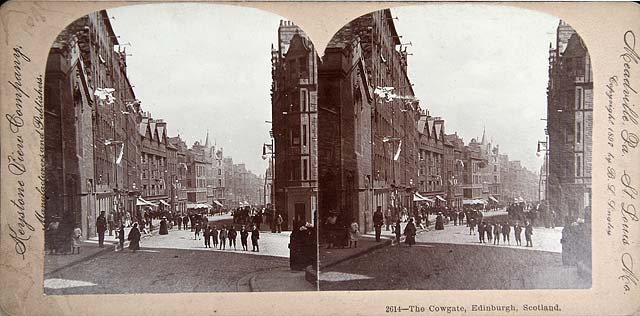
point(383, 243)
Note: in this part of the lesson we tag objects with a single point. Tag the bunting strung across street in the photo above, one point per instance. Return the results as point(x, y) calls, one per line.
point(105, 94)
point(386, 93)
point(398, 152)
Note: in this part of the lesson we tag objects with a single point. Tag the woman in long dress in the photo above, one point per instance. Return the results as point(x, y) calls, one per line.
point(410, 232)
point(354, 233)
point(134, 237)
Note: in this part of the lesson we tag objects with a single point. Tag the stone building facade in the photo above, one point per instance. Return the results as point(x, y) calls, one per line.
point(91, 158)
point(569, 125)
point(294, 99)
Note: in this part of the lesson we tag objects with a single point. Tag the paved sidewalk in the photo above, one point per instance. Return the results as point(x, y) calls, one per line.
point(88, 250)
point(280, 280)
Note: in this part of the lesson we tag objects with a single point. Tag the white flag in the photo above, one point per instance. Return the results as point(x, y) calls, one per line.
point(120, 155)
point(398, 152)
point(105, 94)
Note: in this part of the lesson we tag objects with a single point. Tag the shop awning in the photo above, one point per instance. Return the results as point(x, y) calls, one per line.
point(197, 205)
point(218, 203)
point(493, 199)
point(473, 201)
point(419, 198)
point(165, 203)
point(440, 198)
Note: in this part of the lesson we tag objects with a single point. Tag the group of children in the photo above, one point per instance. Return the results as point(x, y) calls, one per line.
point(489, 231)
point(220, 237)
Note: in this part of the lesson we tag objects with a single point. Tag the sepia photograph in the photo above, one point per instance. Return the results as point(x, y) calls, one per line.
point(455, 151)
point(163, 167)
point(319, 158)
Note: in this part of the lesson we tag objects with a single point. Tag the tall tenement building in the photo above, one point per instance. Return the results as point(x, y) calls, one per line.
point(569, 125)
point(92, 154)
point(294, 99)
point(368, 142)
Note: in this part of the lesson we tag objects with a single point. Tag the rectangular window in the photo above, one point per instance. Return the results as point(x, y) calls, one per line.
point(578, 166)
point(578, 132)
point(303, 100)
point(579, 98)
point(305, 169)
point(295, 135)
point(304, 135)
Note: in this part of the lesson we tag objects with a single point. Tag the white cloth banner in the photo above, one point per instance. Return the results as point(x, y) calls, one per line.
point(398, 152)
point(120, 155)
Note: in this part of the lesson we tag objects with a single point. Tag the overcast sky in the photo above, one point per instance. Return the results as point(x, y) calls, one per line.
point(482, 66)
point(202, 66)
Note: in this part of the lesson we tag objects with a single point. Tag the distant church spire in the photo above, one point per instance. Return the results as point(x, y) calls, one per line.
point(206, 142)
point(483, 136)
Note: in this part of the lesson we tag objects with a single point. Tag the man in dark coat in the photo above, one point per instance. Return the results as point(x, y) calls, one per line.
point(506, 230)
point(255, 236)
point(179, 221)
point(528, 231)
point(244, 234)
point(517, 231)
point(185, 222)
point(101, 227)
point(481, 228)
point(378, 219)
point(232, 237)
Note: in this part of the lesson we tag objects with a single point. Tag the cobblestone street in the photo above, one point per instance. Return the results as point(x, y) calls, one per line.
point(178, 263)
point(454, 260)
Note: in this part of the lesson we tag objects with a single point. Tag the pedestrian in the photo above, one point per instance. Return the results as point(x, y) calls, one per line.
point(223, 237)
point(455, 218)
point(163, 227)
point(481, 229)
point(127, 219)
point(121, 236)
point(51, 236)
point(279, 221)
point(179, 222)
point(387, 219)
point(214, 236)
point(497, 229)
point(75, 238)
point(197, 231)
point(232, 237)
point(506, 231)
point(101, 227)
point(517, 232)
point(207, 236)
point(354, 233)
point(255, 236)
point(397, 231)
point(471, 222)
point(488, 229)
point(528, 231)
point(243, 238)
point(568, 242)
point(419, 220)
point(410, 233)
point(112, 223)
point(377, 222)
point(185, 222)
point(461, 218)
point(439, 222)
point(134, 238)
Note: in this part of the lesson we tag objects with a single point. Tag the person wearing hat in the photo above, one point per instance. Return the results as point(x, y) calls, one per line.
point(377, 222)
point(255, 236)
point(439, 222)
point(163, 226)
point(101, 227)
